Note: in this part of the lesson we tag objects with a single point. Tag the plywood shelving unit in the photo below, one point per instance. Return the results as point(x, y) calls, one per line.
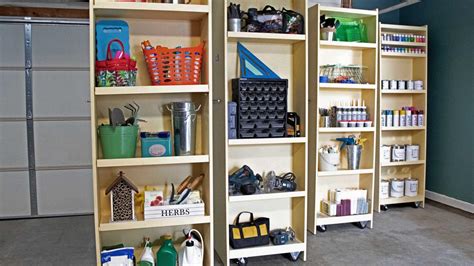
point(396, 66)
point(322, 95)
point(286, 55)
point(168, 25)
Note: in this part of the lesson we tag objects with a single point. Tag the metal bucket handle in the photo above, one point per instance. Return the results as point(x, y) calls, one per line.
point(324, 159)
point(194, 115)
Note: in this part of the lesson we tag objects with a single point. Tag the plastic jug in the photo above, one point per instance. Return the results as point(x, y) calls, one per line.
point(191, 251)
point(167, 255)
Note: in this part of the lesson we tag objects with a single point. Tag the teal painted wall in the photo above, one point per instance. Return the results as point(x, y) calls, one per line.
point(389, 18)
point(450, 165)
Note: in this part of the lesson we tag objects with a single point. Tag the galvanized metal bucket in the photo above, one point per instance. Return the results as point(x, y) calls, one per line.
point(183, 118)
point(354, 153)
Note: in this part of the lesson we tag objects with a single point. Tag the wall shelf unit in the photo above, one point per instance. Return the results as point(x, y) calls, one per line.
point(286, 55)
point(396, 66)
point(167, 25)
point(324, 95)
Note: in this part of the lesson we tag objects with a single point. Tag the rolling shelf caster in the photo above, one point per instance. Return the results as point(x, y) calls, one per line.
point(293, 256)
point(416, 204)
point(362, 225)
point(384, 208)
point(240, 261)
point(321, 228)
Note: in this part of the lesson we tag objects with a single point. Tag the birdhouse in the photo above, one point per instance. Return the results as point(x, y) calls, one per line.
point(122, 193)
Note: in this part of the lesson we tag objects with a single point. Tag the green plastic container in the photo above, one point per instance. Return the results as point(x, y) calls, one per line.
point(119, 141)
point(167, 255)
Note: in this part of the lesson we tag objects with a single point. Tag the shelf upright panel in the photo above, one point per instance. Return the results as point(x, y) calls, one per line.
point(322, 95)
point(169, 25)
point(286, 54)
point(400, 66)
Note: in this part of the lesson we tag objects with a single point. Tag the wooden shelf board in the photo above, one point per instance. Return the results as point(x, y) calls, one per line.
point(403, 163)
point(293, 246)
point(403, 91)
point(389, 201)
point(351, 45)
point(151, 89)
point(150, 10)
point(265, 141)
point(417, 44)
point(267, 196)
point(106, 225)
point(152, 161)
point(323, 219)
point(347, 86)
point(264, 37)
point(402, 55)
point(402, 27)
point(346, 12)
point(346, 172)
point(402, 128)
point(345, 129)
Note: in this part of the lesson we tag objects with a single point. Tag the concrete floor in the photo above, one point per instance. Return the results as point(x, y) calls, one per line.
point(436, 235)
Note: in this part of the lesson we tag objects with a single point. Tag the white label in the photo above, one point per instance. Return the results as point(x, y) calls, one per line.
point(398, 154)
point(157, 150)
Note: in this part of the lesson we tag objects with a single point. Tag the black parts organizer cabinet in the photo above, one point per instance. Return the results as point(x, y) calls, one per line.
point(261, 107)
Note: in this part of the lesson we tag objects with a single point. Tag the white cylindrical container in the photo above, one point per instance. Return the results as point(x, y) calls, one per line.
point(411, 187)
point(398, 153)
point(410, 85)
point(385, 85)
point(384, 189)
point(397, 187)
point(386, 153)
point(393, 84)
point(412, 152)
point(401, 85)
point(396, 118)
point(329, 161)
point(418, 85)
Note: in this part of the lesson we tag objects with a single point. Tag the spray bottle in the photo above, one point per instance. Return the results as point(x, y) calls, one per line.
point(147, 256)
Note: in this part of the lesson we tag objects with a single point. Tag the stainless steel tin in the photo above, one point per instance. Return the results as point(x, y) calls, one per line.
point(398, 153)
point(384, 189)
point(412, 152)
point(411, 187)
point(386, 153)
point(397, 188)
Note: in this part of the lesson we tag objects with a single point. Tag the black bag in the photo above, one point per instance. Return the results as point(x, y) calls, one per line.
point(249, 234)
point(293, 22)
point(267, 20)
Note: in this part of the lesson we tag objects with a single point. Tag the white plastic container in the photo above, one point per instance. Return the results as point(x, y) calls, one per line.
point(384, 188)
point(412, 152)
point(397, 187)
point(411, 187)
point(386, 153)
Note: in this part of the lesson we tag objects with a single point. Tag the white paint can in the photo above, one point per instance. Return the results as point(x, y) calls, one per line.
point(386, 153)
point(398, 153)
point(397, 187)
point(410, 85)
point(384, 188)
point(412, 152)
point(393, 84)
point(418, 85)
point(385, 84)
point(411, 187)
point(402, 85)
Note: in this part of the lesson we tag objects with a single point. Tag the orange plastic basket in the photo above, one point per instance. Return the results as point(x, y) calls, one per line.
point(177, 66)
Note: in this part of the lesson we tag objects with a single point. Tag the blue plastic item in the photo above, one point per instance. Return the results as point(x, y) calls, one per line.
point(156, 144)
point(323, 79)
point(107, 30)
point(251, 66)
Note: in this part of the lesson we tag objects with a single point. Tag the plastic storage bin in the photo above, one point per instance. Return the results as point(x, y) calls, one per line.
point(156, 144)
point(119, 141)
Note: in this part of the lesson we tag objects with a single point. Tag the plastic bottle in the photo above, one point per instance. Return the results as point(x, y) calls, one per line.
point(345, 113)
point(403, 119)
point(167, 255)
point(338, 114)
point(363, 113)
point(396, 118)
point(414, 118)
point(408, 117)
point(383, 118)
point(389, 118)
point(147, 256)
point(421, 118)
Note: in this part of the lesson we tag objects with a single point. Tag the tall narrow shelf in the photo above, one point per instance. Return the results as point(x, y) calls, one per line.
point(395, 66)
point(286, 54)
point(322, 95)
point(168, 25)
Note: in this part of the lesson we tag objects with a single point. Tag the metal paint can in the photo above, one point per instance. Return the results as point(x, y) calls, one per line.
point(410, 85)
point(402, 84)
point(412, 152)
point(398, 153)
point(385, 85)
point(384, 188)
point(397, 187)
point(411, 187)
point(418, 85)
point(393, 84)
point(386, 153)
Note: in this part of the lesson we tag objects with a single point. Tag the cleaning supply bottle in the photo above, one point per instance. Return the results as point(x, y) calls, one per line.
point(166, 255)
point(147, 256)
point(191, 251)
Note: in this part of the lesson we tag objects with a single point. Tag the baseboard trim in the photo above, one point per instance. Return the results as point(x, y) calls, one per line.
point(458, 204)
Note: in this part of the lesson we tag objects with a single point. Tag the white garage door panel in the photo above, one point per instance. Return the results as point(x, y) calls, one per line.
point(62, 143)
point(14, 152)
point(12, 49)
point(61, 93)
point(60, 46)
point(14, 194)
point(64, 191)
point(12, 94)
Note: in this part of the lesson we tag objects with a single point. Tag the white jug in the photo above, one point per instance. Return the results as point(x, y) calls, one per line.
point(191, 252)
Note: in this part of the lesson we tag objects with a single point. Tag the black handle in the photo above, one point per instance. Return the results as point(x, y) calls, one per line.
point(237, 220)
point(268, 7)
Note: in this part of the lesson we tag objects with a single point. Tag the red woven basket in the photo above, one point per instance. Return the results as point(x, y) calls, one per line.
point(177, 66)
